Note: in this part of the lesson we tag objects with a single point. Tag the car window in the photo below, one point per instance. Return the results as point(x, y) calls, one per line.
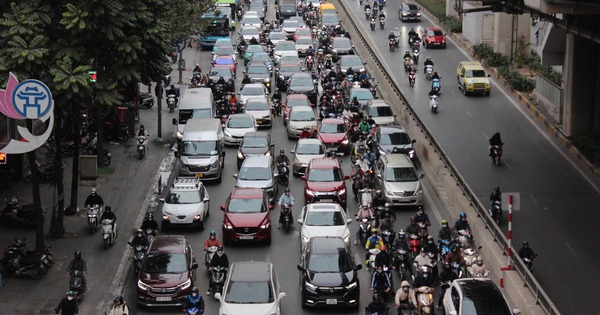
point(185, 114)
point(202, 192)
point(380, 111)
point(165, 263)
point(255, 173)
point(246, 206)
point(333, 262)
point(250, 31)
point(301, 81)
point(255, 142)
point(291, 103)
point(240, 123)
point(253, 105)
point(325, 175)
point(253, 90)
point(475, 74)
point(400, 174)
point(220, 72)
point(277, 36)
point(324, 218)
point(397, 138)
point(309, 149)
point(333, 128)
point(329, 19)
point(199, 148)
point(249, 292)
point(302, 116)
point(224, 61)
point(283, 46)
point(289, 68)
point(183, 197)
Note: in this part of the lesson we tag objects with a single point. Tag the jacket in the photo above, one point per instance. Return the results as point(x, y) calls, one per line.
point(210, 242)
point(374, 242)
point(454, 257)
point(67, 307)
point(119, 310)
point(405, 297)
point(286, 199)
point(422, 260)
point(383, 259)
point(77, 264)
point(380, 281)
point(197, 302)
point(94, 200)
point(108, 215)
point(479, 271)
point(364, 212)
point(377, 308)
point(462, 225)
point(222, 261)
point(412, 229)
point(445, 234)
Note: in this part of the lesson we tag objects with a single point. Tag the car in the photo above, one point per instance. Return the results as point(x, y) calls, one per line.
point(298, 19)
point(330, 21)
point(302, 83)
point(323, 219)
point(277, 36)
point(258, 172)
point(300, 118)
point(472, 78)
point(304, 151)
point(228, 61)
point(302, 31)
point(237, 126)
point(259, 9)
point(291, 101)
point(223, 71)
point(342, 46)
point(258, 72)
point(168, 272)
point(334, 134)
point(225, 51)
point(251, 288)
point(252, 20)
point(351, 61)
point(303, 43)
point(325, 182)
point(284, 71)
point(287, 10)
point(262, 57)
point(362, 95)
point(380, 111)
point(246, 216)
point(291, 57)
point(254, 144)
point(395, 140)
point(251, 50)
point(328, 274)
point(252, 90)
point(260, 108)
point(397, 178)
point(222, 42)
point(434, 37)
point(250, 31)
point(409, 12)
point(187, 204)
point(476, 296)
point(281, 47)
point(289, 27)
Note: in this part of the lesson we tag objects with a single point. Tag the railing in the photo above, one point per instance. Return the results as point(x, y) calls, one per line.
point(553, 93)
point(529, 280)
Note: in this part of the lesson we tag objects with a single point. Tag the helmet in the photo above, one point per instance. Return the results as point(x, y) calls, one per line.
point(71, 293)
point(119, 299)
point(287, 190)
point(412, 220)
point(139, 232)
point(428, 58)
point(93, 192)
point(78, 254)
point(445, 222)
point(497, 189)
point(281, 152)
point(391, 32)
point(149, 216)
point(479, 258)
point(195, 290)
point(220, 248)
point(525, 244)
point(213, 233)
point(463, 215)
point(376, 297)
point(420, 211)
point(430, 237)
point(373, 230)
point(108, 209)
point(378, 193)
point(197, 65)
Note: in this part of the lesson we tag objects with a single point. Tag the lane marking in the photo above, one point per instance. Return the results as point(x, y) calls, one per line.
point(571, 249)
point(468, 113)
point(485, 136)
point(533, 199)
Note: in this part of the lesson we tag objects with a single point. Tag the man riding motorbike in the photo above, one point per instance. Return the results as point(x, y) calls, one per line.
point(212, 241)
point(422, 217)
point(220, 259)
point(149, 222)
point(378, 200)
point(139, 239)
point(374, 241)
point(526, 252)
point(377, 306)
point(94, 199)
point(288, 199)
point(427, 62)
point(412, 227)
point(194, 300)
point(446, 277)
point(495, 140)
point(462, 223)
point(246, 79)
point(405, 298)
point(68, 305)
point(109, 215)
point(479, 269)
point(380, 281)
point(78, 264)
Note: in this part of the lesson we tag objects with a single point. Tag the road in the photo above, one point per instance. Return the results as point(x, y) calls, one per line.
point(559, 203)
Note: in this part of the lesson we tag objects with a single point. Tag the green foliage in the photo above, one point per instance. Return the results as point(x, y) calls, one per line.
point(497, 60)
point(534, 62)
point(482, 50)
point(451, 23)
point(438, 9)
point(589, 146)
point(493, 59)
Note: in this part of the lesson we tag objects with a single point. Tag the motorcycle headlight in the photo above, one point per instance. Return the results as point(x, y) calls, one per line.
point(240, 155)
point(185, 285)
point(143, 286)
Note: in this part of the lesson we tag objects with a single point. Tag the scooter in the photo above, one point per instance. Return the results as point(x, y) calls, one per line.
point(373, 253)
point(367, 13)
point(392, 44)
point(415, 245)
point(364, 226)
point(388, 238)
point(465, 239)
point(496, 211)
point(433, 103)
point(497, 154)
point(26, 264)
point(408, 63)
point(77, 284)
point(146, 100)
point(286, 213)
point(108, 235)
point(139, 253)
point(141, 147)
point(15, 213)
point(171, 102)
point(428, 72)
point(529, 262)
point(218, 279)
point(210, 252)
point(412, 77)
point(192, 311)
point(94, 214)
point(373, 23)
point(381, 22)
point(284, 174)
point(416, 51)
point(400, 261)
point(436, 86)
point(424, 300)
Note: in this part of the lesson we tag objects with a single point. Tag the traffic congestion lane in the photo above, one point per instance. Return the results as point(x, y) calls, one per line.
point(555, 194)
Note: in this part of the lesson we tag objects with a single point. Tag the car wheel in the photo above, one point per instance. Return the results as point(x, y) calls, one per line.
point(464, 88)
point(303, 300)
point(202, 224)
point(220, 178)
point(487, 93)
point(164, 227)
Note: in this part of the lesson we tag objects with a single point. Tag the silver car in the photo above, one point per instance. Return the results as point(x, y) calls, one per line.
point(398, 180)
point(258, 172)
point(304, 151)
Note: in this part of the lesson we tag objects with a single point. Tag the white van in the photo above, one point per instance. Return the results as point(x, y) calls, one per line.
point(194, 103)
point(201, 149)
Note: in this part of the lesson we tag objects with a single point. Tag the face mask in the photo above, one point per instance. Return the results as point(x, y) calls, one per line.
point(70, 298)
point(405, 288)
point(139, 235)
point(194, 294)
point(463, 219)
point(480, 263)
point(430, 242)
point(425, 276)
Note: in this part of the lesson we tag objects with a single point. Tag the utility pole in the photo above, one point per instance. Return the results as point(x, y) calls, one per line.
point(57, 229)
point(158, 91)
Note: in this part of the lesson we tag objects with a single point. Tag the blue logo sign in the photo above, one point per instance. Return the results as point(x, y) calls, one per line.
point(32, 99)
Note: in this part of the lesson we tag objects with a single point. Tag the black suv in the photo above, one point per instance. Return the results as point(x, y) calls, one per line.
point(302, 83)
point(284, 72)
point(328, 274)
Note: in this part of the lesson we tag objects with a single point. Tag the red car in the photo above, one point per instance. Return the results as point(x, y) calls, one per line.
point(434, 37)
point(293, 100)
point(225, 61)
point(325, 182)
point(333, 132)
point(247, 216)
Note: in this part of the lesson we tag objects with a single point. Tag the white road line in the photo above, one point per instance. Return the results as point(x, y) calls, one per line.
point(533, 199)
point(507, 165)
point(571, 249)
point(469, 113)
point(485, 136)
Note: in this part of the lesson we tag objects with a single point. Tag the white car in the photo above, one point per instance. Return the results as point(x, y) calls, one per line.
point(302, 44)
point(252, 90)
point(187, 204)
point(236, 128)
point(252, 20)
point(282, 47)
point(475, 296)
point(301, 117)
point(381, 112)
point(304, 151)
point(260, 108)
point(324, 219)
point(250, 31)
point(251, 288)
point(289, 27)
point(276, 37)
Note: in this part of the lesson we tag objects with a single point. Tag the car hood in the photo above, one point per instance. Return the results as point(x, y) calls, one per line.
point(247, 219)
point(330, 279)
point(384, 120)
point(305, 158)
point(302, 124)
point(401, 186)
point(478, 80)
point(242, 183)
point(325, 186)
point(181, 209)
point(335, 231)
point(260, 76)
point(259, 114)
point(254, 151)
point(239, 132)
point(199, 160)
point(302, 88)
point(400, 148)
point(160, 280)
point(332, 137)
point(254, 309)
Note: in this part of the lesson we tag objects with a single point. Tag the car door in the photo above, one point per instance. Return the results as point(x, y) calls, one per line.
point(205, 200)
point(379, 171)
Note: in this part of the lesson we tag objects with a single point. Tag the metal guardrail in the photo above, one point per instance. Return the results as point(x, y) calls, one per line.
point(529, 280)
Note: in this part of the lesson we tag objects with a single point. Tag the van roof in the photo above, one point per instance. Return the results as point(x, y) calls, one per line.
point(197, 92)
point(201, 129)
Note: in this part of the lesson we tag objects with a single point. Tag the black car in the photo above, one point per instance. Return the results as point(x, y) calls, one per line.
point(409, 12)
point(286, 10)
point(302, 83)
point(342, 46)
point(254, 144)
point(258, 72)
point(223, 71)
point(328, 274)
point(284, 72)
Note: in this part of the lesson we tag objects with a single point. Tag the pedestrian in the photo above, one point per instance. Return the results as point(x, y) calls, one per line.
point(68, 305)
point(119, 307)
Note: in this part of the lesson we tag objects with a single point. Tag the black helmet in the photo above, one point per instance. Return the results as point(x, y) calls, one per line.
point(220, 248)
point(497, 189)
point(108, 209)
point(287, 190)
point(140, 231)
point(119, 299)
point(282, 152)
point(149, 216)
point(525, 244)
point(78, 254)
point(378, 193)
point(376, 297)
point(195, 290)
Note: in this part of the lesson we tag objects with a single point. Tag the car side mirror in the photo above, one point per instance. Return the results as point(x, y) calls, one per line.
point(348, 221)
point(346, 177)
point(281, 295)
point(174, 121)
point(222, 208)
point(489, 75)
point(299, 266)
point(299, 221)
point(235, 176)
point(162, 199)
point(206, 199)
point(303, 177)
point(414, 141)
point(358, 267)
point(517, 311)
point(194, 266)
point(420, 176)
point(462, 75)
point(293, 151)
point(271, 206)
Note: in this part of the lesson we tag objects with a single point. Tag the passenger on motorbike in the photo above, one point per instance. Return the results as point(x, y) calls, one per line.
point(412, 227)
point(479, 269)
point(288, 199)
point(282, 158)
point(246, 79)
point(377, 307)
point(220, 259)
point(68, 305)
point(454, 256)
point(78, 264)
point(212, 241)
point(139, 239)
point(109, 215)
point(194, 300)
point(462, 223)
point(496, 195)
point(495, 140)
point(427, 62)
point(94, 199)
point(405, 298)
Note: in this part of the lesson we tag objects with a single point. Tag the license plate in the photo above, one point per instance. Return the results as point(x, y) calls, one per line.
point(259, 121)
point(163, 299)
point(331, 301)
point(246, 237)
point(326, 200)
point(199, 175)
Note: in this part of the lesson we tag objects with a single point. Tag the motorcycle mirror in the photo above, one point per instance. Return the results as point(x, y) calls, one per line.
point(206, 199)
point(349, 221)
point(194, 266)
point(235, 175)
point(300, 221)
point(223, 208)
point(281, 295)
point(414, 141)
point(299, 266)
point(162, 199)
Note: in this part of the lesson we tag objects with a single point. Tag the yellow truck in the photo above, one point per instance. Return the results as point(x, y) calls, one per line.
point(472, 78)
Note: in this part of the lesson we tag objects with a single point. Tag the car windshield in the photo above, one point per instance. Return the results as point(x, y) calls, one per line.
point(289, 68)
point(249, 292)
point(165, 263)
point(303, 32)
point(304, 41)
point(475, 74)
point(484, 305)
point(253, 90)
point(246, 205)
point(361, 95)
point(345, 44)
point(291, 103)
point(257, 105)
point(302, 116)
point(434, 33)
point(254, 48)
point(183, 197)
point(397, 138)
point(220, 72)
point(329, 19)
point(309, 149)
point(244, 122)
point(261, 57)
point(355, 63)
point(330, 262)
point(199, 148)
point(258, 70)
point(251, 20)
point(301, 81)
point(185, 114)
point(290, 23)
point(380, 111)
point(255, 173)
point(224, 50)
point(324, 218)
point(285, 46)
point(333, 128)
point(400, 174)
point(411, 6)
point(277, 36)
point(287, 8)
point(325, 175)
point(255, 142)
point(250, 31)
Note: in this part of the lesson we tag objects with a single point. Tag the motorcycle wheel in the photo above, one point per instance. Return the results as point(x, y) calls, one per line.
point(106, 160)
point(106, 243)
point(150, 104)
point(92, 228)
point(123, 136)
point(141, 154)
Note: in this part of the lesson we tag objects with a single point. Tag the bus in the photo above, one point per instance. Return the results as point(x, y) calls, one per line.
point(218, 23)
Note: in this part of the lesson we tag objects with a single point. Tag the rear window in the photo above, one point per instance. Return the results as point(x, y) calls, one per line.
point(434, 33)
point(394, 138)
point(249, 292)
point(380, 111)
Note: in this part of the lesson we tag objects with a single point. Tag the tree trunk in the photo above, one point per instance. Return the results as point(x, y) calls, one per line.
point(100, 119)
point(37, 203)
point(57, 229)
point(77, 143)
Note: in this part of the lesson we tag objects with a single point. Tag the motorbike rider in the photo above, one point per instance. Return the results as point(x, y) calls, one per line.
point(392, 35)
point(355, 104)
point(367, 6)
point(68, 305)
point(370, 157)
point(149, 222)
point(427, 62)
point(454, 256)
point(119, 307)
point(384, 258)
point(282, 158)
point(423, 279)
point(374, 241)
point(78, 264)
point(387, 211)
point(194, 300)
point(253, 41)
point(401, 243)
point(381, 15)
point(364, 211)
point(496, 195)
point(246, 79)
point(197, 69)
point(139, 239)
point(286, 198)
point(495, 140)
point(380, 281)
point(277, 96)
point(220, 259)
point(310, 52)
point(462, 223)
point(445, 232)
point(412, 227)
point(422, 259)
point(446, 277)
point(405, 298)
point(364, 126)
point(94, 199)
point(365, 166)
point(142, 132)
point(430, 247)
point(479, 269)
point(378, 200)
point(109, 215)
point(526, 252)
point(377, 307)
point(172, 91)
point(422, 217)
point(412, 33)
point(386, 223)
point(212, 241)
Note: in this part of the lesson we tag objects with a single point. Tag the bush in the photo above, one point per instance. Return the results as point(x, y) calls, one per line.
point(497, 60)
point(482, 50)
point(515, 80)
point(453, 24)
point(438, 9)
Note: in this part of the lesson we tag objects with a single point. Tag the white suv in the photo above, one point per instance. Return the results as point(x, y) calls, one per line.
point(187, 204)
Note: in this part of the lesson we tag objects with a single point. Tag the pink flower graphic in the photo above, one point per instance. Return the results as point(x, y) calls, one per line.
point(6, 106)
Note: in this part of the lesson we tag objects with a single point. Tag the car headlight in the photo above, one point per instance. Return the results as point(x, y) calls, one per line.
point(185, 285)
point(345, 141)
point(227, 134)
point(418, 14)
point(310, 192)
point(404, 14)
point(411, 153)
point(240, 155)
point(143, 286)
point(268, 153)
point(310, 286)
point(268, 80)
point(215, 164)
point(351, 286)
point(179, 134)
point(419, 192)
point(265, 226)
point(342, 191)
point(347, 239)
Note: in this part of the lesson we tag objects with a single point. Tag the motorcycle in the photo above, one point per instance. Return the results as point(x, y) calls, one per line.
point(77, 284)
point(373, 253)
point(286, 213)
point(433, 103)
point(381, 22)
point(424, 300)
point(470, 258)
point(210, 252)
point(171, 102)
point(364, 227)
point(218, 279)
point(139, 253)
point(15, 213)
point(412, 77)
point(401, 263)
point(497, 154)
point(276, 108)
point(373, 89)
point(392, 44)
point(373, 23)
point(465, 239)
point(26, 264)
point(415, 245)
point(309, 63)
point(428, 72)
point(496, 211)
point(408, 63)
point(146, 100)
point(416, 51)
point(141, 147)
point(108, 234)
point(284, 173)
point(436, 86)
point(193, 311)
point(150, 234)
point(367, 13)
point(423, 233)
point(529, 262)
point(94, 214)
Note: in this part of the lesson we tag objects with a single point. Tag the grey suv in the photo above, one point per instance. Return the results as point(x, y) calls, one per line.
point(302, 83)
point(398, 180)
